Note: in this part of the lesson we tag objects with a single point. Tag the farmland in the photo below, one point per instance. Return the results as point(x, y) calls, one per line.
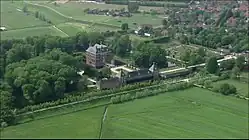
point(191, 113)
point(75, 125)
point(31, 32)
point(242, 88)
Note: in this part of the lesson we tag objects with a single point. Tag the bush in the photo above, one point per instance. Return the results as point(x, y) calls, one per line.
point(227, 89)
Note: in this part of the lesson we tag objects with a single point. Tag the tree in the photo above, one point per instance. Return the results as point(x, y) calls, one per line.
point(95, 37)
point(164, 23)
point(146, 53)
point(133, 7)
point(106, 72)
point(201, 52)
point(124, 26)
point(227, 89)
point(235, 72)
point(122, 45)
point(25, 9)
point(212, 65)
point(227, 65)
point(19, 52)
point(239, 62)
point(37, 14)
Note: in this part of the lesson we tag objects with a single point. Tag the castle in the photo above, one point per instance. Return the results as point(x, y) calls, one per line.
point(125, 77)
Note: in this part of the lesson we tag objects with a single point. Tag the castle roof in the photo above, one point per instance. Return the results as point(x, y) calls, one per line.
point(96, 48)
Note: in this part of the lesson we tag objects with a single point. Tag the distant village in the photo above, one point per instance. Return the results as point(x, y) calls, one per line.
point(107, 12)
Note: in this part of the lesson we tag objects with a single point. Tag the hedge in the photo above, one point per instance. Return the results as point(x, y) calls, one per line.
point(163, 39)
point(88, 96)
point(150, 92)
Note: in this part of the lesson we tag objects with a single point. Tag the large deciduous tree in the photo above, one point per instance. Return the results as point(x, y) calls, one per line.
point(212, 65)
point(133, 7)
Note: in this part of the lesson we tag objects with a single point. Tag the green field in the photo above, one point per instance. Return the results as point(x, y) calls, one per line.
point(13, 18)
point(38, 31)
point(241, 87)
point(18, 23)
point(176, 115)
point(69, 10)
point(191, 113)
point(76, 125)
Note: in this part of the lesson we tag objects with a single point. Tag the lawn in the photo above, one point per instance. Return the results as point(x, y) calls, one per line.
point(37, 31)
point(241, 87)
point(13, 18)
point(192, 113)
point(83, 124)
point(71, 28)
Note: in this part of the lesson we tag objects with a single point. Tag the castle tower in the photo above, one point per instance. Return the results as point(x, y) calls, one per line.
point(121, 76)
point(154, 70)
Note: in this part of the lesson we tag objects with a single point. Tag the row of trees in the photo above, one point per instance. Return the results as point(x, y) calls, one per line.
point(150, 92)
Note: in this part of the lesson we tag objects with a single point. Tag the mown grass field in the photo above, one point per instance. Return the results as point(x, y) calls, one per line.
point(69, 9)
point(13, 18)
point(242, 87)
point(75, 125)
point(38, 31)
point(192, 113)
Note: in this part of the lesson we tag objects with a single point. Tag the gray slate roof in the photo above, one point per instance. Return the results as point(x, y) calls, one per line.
point(94, 49)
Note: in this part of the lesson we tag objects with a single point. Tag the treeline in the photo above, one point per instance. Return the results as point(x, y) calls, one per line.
point(146, 93)
point(148, 3)
point(228, 38)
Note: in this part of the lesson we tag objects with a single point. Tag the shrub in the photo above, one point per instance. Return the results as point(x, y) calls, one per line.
point(227, 89)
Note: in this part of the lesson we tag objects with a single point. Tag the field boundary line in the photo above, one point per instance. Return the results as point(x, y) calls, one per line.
point(102, 121)
point(60, 30)
point(30, 27)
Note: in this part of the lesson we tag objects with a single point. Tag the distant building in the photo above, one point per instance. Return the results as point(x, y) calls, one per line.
point(3, 29)
point(96, 55)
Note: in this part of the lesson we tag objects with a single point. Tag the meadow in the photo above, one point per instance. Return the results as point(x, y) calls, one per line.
point(192, 113)
point(75, 125)
point(76, 11)
point(37, 31)
point(242, 87)
point(13, 18)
